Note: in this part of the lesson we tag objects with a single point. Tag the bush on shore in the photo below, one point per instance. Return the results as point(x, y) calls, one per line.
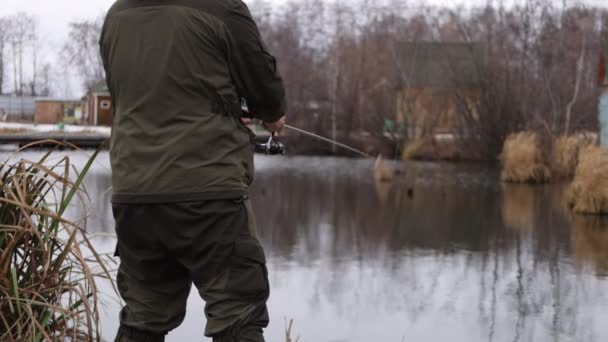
point(523, 159)
point(588, 194)
point(430, 148)
point(566, 151)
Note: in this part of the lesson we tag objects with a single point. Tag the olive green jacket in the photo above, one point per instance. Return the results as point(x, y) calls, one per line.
point(177, 70)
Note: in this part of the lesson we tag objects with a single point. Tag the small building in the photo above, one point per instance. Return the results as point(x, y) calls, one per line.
point(603, 79)
point(55, 110)
point(438, 81)
point(99, 105)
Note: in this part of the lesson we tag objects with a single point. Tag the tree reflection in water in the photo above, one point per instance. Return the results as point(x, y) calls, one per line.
point(444, 252)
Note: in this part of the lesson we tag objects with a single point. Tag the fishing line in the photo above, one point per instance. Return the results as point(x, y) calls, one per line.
point(333, 142)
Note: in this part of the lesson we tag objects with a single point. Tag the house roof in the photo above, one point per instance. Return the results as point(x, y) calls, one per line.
point(439, 64)
point(56, 99)
point(100, 87)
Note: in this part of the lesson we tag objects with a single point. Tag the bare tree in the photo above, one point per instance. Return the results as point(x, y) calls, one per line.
point(82, 50)
point(45, 80)
point(4, 41)
point(35, 47)
point(21, 33)
point(341, 58)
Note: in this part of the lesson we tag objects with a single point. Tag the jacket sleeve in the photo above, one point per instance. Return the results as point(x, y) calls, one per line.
point(254, 69)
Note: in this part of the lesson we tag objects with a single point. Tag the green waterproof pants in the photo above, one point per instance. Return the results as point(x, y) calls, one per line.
point(165, 248)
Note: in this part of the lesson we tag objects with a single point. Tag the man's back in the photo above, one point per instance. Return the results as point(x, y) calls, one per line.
point(177, 71)
point(182, 161)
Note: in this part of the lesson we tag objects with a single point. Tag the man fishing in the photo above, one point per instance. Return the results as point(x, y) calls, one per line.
point(182, 162)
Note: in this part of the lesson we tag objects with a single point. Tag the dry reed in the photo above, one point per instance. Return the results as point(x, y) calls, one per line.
point(47, 274)
point(588, 194)
point(523, 160)
point(382, 171)
point(432, 149)
point(288, 327)
point(566, 151)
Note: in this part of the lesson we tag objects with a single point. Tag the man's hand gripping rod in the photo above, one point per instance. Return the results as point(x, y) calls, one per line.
point(273, 146)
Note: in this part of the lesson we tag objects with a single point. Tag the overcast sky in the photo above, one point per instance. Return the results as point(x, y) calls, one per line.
point(54, 15)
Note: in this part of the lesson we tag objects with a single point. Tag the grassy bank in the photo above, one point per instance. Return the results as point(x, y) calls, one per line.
point(47, 280)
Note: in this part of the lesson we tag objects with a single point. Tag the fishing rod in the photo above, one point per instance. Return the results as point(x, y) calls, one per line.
point(274, 146)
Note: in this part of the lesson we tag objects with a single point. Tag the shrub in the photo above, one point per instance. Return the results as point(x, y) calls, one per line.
point(588, 194)
point(566, 151)
point(432, 149)
point(523, 159)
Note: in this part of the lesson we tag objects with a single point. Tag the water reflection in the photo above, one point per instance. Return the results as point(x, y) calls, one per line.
point(590, 239)
point(443, 252)
point(496, 258)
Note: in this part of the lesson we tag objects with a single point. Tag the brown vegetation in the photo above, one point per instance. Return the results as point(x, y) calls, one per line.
point(47, 279)
point(382, 171)
point(566, 151)
point(588, 194)
point(523, 159)
point(432, 149)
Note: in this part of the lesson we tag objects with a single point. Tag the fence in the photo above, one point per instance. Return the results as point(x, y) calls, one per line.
point(17, 108)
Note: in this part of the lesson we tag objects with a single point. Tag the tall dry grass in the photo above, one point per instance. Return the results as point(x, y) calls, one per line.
point(523, 159)
point(566, 150)
point(430, 148)
point(47, 275)
point(588, 194)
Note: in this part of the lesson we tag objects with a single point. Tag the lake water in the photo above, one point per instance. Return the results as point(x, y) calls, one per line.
point(443, 253)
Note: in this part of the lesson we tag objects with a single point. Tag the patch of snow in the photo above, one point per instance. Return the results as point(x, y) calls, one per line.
point(55, 128)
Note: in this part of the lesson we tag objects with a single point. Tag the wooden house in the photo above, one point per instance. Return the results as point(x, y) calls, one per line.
point(54, 111)
point(99, 106)
point(438, 81)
